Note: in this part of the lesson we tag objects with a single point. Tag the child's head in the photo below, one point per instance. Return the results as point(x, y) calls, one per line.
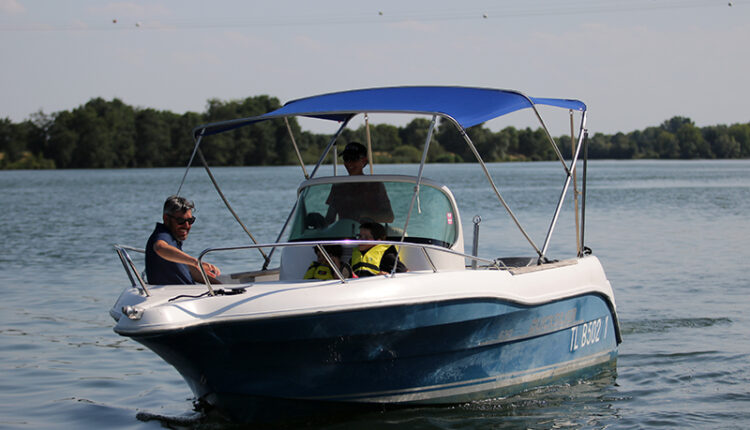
point(334, 251)
point(370, 231)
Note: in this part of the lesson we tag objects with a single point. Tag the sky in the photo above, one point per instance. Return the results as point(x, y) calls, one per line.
point(635, 63)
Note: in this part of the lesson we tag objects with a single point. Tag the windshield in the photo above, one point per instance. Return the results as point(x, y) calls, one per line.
point(334, 211)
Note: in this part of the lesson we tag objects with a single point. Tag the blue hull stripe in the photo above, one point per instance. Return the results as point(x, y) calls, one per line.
point(449, 392)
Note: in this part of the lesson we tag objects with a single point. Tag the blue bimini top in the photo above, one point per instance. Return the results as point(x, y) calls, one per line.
point(466, 106)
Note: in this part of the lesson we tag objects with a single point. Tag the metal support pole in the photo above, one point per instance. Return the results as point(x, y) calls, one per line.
point(226, 203)
point(296, 149)
point(330, 262)
point(416, 187)
point(550, 139)
point(565, 188)
point(575, 184)
point(369, 144)
point(328, 148)
point(475, 246)
point(187, 169)
point(494, 187)
point(312, 175)
point(583, 197)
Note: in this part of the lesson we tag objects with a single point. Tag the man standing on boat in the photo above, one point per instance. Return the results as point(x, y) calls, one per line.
point(166, 263)
point(360, 201)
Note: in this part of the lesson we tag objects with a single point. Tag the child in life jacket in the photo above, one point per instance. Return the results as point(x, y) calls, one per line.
point(370, 260)
point(320, 269)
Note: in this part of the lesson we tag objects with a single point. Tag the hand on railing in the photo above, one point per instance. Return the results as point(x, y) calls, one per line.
point(211, 270)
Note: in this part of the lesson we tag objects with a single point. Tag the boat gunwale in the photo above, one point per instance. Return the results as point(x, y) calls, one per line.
point(145, 331)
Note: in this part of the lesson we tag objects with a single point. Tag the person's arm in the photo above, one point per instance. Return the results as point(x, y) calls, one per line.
point(388, 260)
point(331, 202)
point(330, 215)
point(211, 273)
point(175, 255)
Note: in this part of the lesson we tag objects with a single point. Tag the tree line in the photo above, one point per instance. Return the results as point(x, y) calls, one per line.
point(112, 134)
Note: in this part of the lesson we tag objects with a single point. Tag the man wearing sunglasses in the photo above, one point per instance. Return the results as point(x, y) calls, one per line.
point(166, 263)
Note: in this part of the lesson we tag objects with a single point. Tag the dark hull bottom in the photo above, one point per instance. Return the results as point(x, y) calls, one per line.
point(283, 413)
point(427, 354)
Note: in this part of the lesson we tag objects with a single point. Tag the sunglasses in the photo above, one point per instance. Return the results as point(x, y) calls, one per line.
point(181, 221)
point(349, 158)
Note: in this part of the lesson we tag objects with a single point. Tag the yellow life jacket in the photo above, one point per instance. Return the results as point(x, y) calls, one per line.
point(318, 271)
point(370, 261)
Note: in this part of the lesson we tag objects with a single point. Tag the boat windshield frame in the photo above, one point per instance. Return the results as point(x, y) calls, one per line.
point(435, 222)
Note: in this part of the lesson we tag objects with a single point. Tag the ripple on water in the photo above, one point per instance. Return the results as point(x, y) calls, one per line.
point(667, 324)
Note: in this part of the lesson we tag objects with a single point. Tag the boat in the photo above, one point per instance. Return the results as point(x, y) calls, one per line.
point(456, 327)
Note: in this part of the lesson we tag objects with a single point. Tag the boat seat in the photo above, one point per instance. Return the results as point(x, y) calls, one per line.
point(414, 259)
point(295, 261)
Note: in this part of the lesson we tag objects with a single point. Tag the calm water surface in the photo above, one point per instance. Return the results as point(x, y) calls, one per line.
point(672, 237)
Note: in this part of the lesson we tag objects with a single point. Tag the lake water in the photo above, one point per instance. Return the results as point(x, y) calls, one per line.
point(672, 236)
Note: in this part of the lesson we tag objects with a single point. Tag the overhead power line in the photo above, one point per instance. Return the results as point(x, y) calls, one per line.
point(527, 9)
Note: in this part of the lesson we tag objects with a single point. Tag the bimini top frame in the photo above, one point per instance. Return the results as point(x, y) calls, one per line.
point(463, 106)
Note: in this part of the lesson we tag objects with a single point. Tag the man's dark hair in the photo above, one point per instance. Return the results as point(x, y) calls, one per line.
point(354, 151)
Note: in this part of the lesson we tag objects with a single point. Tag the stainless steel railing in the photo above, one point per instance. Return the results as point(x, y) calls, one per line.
point(130, 268)
point(137, 280)
point(320, 244)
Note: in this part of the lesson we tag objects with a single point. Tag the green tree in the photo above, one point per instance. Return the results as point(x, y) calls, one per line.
point(666, 145)
point(11, 146)
point(415, 133)
point(644, 142)
point(105, 135)
point(63, 138)
point(598, 146)
point(253, 145)
point(726, 147)
point(406, 154)
point(181, 134)
point(741, 134)
point(534, 145)
point(720, 142)
point(692, 144)
point(621, 147)
point(488, 144)
point(311, 146)
point(153, 137)
point(675, 123)
point(509, 137)
point(385, 137)
point(451, 140)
